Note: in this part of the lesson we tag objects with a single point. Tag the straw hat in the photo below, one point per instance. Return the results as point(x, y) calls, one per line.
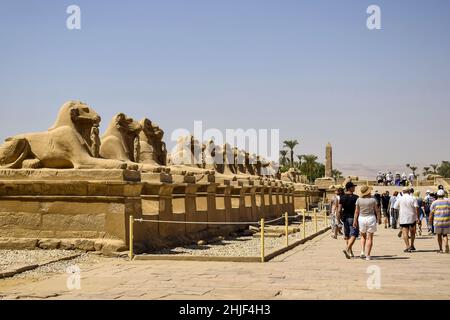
point(365, 191)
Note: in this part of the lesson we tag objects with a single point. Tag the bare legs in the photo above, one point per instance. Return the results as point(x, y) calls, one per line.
point(445, 238)
point(409, 232)
point(366, 243)
point(350, 243)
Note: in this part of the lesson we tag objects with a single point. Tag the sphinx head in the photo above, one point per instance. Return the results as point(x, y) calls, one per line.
point(127, 125)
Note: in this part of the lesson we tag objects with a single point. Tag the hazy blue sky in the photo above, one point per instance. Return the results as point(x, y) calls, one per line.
point(309, 68)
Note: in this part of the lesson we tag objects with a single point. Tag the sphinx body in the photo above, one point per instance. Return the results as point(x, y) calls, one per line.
point(69, 143)
point(188, 159)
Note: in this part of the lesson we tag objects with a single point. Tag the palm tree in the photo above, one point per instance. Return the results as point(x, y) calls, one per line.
point(413, 169)
point(336, 174)
point(283, 154)
point(435, 167)
point(309, 165)
point(426, 171)
point(290, 144)
point(299, 162)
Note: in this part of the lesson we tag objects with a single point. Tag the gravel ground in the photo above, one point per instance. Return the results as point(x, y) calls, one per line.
point(11, 259)
point(57, 267)
point(243, 246)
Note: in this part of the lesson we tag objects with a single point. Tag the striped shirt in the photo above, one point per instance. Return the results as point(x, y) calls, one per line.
point(441, 214)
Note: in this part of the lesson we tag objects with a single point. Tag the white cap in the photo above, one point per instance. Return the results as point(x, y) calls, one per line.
point(441, 193)
point(428, 191)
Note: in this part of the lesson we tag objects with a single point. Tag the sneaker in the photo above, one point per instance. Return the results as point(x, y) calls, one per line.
point(368, 258)
point(440, 251)
point(399, 234)
point(347, 255)
point(362, 255)
point(412, 248)
point(407, 250)
point(333, 236)
point(351, 253)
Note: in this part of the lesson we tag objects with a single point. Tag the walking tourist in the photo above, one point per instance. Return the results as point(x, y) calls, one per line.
point(440, 218)
point(420, 204)
point(385, 198)
point(393, 212)
point(427, 202)
point(380, 178)
point(367, 215)
point(346, 213)
point(389, 178)
point(404, 180)
point(408, 216)
point(335, 223)
point(411, 178)
point(398, 179)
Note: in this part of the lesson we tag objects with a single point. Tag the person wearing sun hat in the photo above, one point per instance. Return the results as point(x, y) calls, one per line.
point(367, 215)
point(440, 218)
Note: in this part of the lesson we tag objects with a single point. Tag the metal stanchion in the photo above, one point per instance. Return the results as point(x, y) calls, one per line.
point(286, 228)
point(131, 237)
point(315, 220)
point(304, 224)
point(325, 221)
point(262, 240)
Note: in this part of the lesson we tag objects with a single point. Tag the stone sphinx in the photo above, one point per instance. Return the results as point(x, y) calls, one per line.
point(122, 141)
point(72, 142)
point(187, 159)
point(292, 175)
point(153, 148)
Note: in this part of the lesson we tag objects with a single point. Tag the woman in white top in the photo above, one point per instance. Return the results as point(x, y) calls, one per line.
point(367, 215)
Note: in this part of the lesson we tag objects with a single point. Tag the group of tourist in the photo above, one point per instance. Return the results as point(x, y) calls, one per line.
point(389, 179)
point(359, 216)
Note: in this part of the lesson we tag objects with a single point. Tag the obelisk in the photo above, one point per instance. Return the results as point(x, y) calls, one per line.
point(328, 161)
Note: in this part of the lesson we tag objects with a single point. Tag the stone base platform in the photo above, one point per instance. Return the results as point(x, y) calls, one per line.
point(90, 209)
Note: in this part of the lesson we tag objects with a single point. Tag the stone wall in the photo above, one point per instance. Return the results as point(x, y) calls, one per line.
point(90, 209)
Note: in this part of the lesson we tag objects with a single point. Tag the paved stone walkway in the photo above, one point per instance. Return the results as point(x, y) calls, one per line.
point(316, 270)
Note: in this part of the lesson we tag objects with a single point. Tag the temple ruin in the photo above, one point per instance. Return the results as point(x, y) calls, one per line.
point(69, 187)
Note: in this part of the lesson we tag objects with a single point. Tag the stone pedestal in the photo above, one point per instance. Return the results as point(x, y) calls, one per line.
point(84, 209)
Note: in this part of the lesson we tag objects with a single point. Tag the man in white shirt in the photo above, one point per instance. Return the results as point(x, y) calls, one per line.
point(408, 217)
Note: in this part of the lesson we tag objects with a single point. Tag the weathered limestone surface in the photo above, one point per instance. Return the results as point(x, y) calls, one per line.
point(50, 204)
point(68, 188)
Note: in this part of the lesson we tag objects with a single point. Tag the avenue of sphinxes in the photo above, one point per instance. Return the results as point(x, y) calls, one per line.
point(71, 187)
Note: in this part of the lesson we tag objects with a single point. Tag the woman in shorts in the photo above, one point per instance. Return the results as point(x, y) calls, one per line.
point(367, 216)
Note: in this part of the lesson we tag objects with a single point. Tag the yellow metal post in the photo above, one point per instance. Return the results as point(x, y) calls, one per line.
point(286, 228)
point(131, 237)
point(325, 221)
point(304, 224)
point(262, 240)
point(315, 220)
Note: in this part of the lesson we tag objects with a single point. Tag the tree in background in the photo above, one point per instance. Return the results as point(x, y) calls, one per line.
point(413, 169)
point(283, 154)
point(311, 168)
point(426, 171)
point(291, 144)
point(435, 168)
point(336, 174)
point(444, 169)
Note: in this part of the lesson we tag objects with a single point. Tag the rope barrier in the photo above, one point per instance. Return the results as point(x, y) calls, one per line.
point(262, 223)
point(195, 222)
point(216, 223)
